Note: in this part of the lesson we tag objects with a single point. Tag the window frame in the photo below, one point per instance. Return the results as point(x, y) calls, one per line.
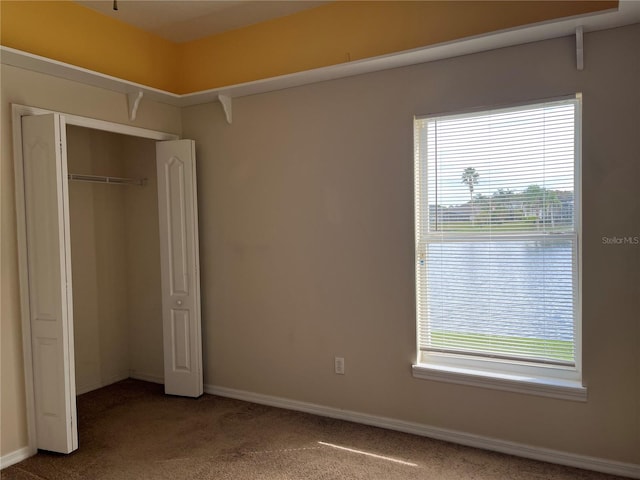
point(535, 378)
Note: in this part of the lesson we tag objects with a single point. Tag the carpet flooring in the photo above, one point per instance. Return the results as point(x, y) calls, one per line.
point(131, 430)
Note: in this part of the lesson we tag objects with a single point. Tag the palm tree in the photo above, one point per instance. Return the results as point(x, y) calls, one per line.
point(470, 179)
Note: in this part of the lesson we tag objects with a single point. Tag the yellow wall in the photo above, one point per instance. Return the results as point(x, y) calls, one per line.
point(70, 33)
point(345, 30)
point(319, 37)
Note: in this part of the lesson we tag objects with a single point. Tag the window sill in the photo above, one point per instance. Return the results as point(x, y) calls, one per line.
point(541, 386)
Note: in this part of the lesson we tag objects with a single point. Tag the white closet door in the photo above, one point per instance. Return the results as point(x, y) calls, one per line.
point(49, 270)
point(180, 267)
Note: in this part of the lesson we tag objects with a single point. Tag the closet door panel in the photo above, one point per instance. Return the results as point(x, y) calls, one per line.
point(49, 281)
point(180, 333)
point(178, 219)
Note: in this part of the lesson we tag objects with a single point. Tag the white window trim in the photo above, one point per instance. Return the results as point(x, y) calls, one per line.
point(517, 383)
point(533, 379)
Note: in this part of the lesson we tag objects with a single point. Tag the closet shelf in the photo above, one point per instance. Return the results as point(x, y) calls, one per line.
point(103, 179)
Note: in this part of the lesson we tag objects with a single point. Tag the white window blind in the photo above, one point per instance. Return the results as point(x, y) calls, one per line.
point(497, 233)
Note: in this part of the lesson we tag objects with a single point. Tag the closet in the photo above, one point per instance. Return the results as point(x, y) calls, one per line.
point(115, 257)
point(108, 246)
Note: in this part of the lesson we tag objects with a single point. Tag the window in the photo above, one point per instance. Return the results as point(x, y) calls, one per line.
point(497, 247)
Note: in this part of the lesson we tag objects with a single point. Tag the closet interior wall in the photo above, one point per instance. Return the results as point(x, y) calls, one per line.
point(115, 256)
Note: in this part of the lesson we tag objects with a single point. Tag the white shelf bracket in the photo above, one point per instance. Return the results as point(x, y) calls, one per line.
point(133, 99)
point(579, 48)
point(226, 105)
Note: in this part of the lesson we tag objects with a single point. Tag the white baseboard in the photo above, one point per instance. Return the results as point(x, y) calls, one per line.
point(147, 377)
point(16, 456)
point(487, 443)
point(80, 389)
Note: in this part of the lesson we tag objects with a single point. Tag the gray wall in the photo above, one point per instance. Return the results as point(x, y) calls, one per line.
point(115, 250)
point(306, 235)
point(99, 267)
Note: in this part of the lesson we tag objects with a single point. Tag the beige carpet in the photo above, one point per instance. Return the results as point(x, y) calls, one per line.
point(130, 430)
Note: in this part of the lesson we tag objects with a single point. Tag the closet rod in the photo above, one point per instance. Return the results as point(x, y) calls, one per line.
point(104, 179)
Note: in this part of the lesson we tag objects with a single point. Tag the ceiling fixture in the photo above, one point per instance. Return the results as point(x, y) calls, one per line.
point(115, 4)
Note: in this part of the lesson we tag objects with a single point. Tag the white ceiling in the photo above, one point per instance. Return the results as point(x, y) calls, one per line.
point(185, 20)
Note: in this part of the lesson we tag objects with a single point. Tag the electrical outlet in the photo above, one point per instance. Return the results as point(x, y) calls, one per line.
point(339, 365)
